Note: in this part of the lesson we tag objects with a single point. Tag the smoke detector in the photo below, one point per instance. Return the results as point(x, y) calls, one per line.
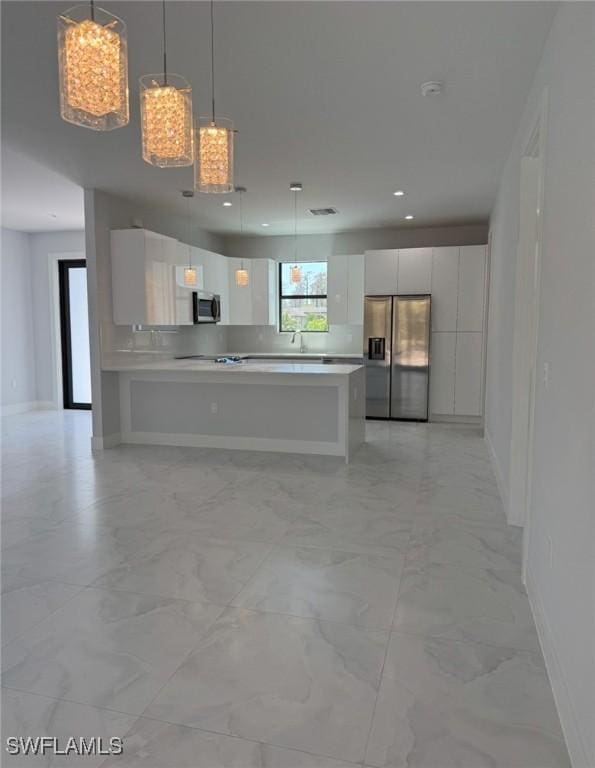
point(432, 88)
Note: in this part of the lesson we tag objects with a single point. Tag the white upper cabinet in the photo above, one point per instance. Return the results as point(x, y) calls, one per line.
point(264, 291)
point(468, 374)
point(143, 288)
point(381, 271)
point(239, 297)
point(345, 290)
point(471, 288)
point(214, 268)
point(414, 271)
point(255, 303)
point(355, 290)
point(337, 289)
point(445, 281)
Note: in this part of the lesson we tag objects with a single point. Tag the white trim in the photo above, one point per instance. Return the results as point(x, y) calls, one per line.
point(576, 745)
point(502, 488)
point(31, 405)
point(238, 443)
point(449, 418)
point(54, 301)
point(109, 441)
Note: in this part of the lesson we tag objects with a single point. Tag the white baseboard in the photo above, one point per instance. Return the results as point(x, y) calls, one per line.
point(107, 441)
point(33, 405)
point(447, 418)
point(276, 445)
point(502, 485)
point(575, 743)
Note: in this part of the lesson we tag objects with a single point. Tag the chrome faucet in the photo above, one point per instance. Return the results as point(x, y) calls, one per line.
point(302, 345)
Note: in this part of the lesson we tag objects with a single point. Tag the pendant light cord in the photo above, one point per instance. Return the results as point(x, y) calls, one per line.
point(295, 226)
point(92, 4)
point(164, 45)
point(213, 62)
point(188, 228)
point(241, 221)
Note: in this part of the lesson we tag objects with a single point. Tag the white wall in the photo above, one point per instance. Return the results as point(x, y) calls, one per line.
point(561, 588)
point(320, 247)
point(18, 338)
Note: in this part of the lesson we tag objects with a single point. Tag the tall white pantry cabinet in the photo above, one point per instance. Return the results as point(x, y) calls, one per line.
point(455, 276)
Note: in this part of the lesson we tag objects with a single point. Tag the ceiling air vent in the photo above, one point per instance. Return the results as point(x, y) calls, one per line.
point(323, 211)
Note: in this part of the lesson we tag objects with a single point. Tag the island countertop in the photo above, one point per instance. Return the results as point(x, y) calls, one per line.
point(242, 367)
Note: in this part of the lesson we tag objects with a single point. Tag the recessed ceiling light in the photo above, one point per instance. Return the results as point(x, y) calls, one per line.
point(409, 217)
point(398, 193)
point(266, 225)
point(227, 204)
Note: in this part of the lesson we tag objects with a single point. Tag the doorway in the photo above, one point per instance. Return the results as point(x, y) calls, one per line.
point(74, 334)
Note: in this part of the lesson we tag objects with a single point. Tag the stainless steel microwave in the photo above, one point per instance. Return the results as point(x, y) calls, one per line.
point(206, 307)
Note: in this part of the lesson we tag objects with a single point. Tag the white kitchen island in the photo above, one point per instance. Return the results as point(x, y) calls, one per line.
point(274, 406)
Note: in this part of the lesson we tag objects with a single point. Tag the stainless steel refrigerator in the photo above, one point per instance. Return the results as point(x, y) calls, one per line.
point(397, 356)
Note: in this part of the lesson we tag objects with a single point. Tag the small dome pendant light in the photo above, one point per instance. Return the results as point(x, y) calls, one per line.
point(242, 274)
point(295, 272)
point(93, 68)
point(213, 142)
point(166, 116)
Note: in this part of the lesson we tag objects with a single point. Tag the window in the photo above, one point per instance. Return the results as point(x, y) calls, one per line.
point(302, 296)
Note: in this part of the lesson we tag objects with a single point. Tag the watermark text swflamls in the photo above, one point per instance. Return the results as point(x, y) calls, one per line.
point(51, 745)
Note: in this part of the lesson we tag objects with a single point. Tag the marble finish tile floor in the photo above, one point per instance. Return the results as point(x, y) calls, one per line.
point(232, 609)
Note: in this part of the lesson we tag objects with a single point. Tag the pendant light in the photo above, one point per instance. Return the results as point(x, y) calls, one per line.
point(166, 116)
point(190, 272)
point(242, 275)
point(213, 142)
point(93, 68)
point(295, 272)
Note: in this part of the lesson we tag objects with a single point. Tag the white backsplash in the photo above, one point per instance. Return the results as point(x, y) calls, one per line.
point(218, 339)
point(340, 339)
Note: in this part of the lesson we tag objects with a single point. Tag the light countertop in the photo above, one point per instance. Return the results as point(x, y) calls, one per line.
point(245, 367)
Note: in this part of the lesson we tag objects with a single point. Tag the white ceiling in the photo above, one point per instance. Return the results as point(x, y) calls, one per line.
point(327, 93)
point(37, 199)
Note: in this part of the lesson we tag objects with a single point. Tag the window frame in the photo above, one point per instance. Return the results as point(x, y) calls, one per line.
point(281, 295)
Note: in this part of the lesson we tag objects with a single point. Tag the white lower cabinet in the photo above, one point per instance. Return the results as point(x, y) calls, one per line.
point(442, 373)
point(468, 374)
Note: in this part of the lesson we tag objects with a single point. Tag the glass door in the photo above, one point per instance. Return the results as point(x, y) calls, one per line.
point(74, 329)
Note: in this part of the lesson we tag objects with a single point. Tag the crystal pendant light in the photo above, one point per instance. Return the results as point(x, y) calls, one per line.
point(213, 142)
point(166, 116)
point(295, 272)
point(242, 275)
point(190, 272)
point(93, 68)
